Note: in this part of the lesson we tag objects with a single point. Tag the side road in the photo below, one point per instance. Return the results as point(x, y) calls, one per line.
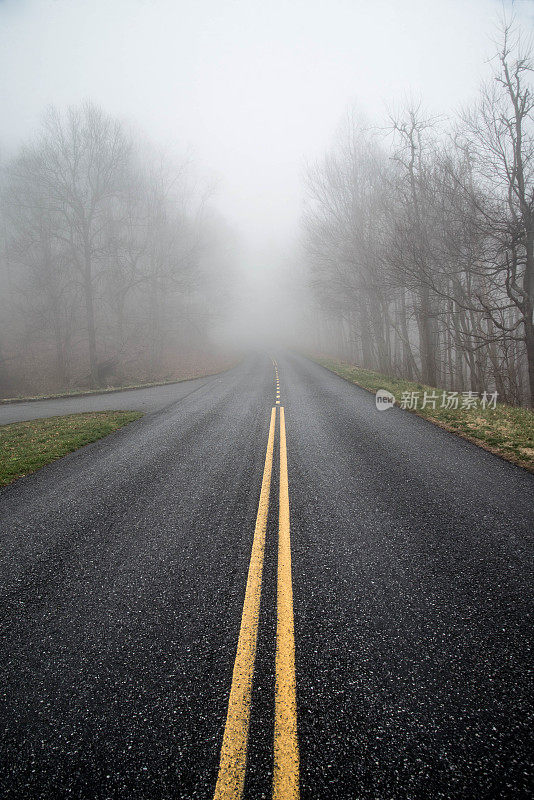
point(151, 398)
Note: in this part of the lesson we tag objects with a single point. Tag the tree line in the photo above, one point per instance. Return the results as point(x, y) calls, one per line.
point(113, 265)
point(420, 250)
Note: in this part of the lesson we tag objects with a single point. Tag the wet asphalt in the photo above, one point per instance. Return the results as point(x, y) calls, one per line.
point(151, 398)
point(122, 576)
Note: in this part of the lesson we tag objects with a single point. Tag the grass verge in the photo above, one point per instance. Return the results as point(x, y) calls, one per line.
point(507, 431)
point(26, 446)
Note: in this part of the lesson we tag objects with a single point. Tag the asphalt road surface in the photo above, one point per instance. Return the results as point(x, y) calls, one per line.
point(380, 650)
point(151, 398)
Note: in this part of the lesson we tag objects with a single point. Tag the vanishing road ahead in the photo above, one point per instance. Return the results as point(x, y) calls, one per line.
point(400, 601)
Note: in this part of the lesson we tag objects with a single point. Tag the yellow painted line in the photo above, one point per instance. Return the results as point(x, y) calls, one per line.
point(231, 777)
point(278, 402)
point(286, 749)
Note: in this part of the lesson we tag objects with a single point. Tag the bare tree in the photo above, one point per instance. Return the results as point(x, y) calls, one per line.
point(499, 134)
point(422, 260)
point(103, 230)
point(85, 159)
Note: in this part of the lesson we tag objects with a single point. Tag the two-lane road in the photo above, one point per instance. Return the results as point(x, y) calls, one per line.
point(396, 555)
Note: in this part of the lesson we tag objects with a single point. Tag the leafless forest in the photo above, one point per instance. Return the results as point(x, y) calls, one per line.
point(420, 239)
point(417, 249)
point(114, 266)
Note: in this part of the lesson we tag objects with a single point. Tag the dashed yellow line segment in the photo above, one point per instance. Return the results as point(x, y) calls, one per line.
point(286, 749)
point(231, 777)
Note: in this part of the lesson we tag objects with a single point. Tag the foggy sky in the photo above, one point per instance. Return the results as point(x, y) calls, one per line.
point(252, 88)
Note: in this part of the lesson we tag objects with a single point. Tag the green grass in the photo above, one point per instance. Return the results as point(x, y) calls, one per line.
point(507, 431)
point(27, 446)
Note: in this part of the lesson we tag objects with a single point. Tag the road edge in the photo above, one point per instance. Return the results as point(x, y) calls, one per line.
point(481, 444)
point(6, 401)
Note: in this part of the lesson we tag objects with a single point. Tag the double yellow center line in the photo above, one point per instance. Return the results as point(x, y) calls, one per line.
point(286, 748)
point(232, 767)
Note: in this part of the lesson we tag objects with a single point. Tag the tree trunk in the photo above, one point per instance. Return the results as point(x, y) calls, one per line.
point(529, 304)
point(409, 363)
point(529, 342)
point(367, 356)
point(61, 360)
point(5, 383)
point(90, 312)
point(427, 338)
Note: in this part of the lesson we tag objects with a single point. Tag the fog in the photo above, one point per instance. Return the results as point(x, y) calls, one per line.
point(249, 94)
point(252, 89)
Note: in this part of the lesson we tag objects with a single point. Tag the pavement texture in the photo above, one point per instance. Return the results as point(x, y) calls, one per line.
point(151, 398)
point(122, 576)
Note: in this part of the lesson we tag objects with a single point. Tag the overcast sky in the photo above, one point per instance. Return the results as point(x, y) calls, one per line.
point(253, 87)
